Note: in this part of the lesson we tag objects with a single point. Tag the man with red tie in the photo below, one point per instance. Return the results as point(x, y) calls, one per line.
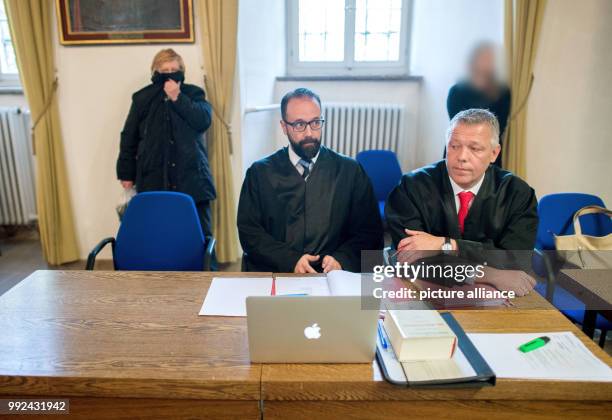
point(464, 203)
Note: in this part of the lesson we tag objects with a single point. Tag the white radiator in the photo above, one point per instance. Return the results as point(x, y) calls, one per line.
point(17, 194)
point(350, 128)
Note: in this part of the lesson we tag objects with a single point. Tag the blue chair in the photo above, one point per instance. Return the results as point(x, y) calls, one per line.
point(556, 212)
point(160, 231)
point(384, 171)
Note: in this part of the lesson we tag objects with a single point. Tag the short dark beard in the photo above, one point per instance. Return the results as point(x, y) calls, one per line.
point(306, 153)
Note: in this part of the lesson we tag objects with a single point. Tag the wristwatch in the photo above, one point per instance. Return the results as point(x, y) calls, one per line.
point(447, 246)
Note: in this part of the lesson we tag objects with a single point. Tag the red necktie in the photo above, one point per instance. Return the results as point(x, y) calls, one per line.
point(465, 197)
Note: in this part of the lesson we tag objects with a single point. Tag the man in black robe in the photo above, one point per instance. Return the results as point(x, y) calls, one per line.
point(305, 208)
point(464, 203)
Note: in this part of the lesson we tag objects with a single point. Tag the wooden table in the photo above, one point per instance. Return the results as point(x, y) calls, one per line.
point(594, 289)
point(126, 344)
point(301, 391)
point(130, 344)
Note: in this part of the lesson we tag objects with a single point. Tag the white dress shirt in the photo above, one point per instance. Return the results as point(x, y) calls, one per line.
point(457, 189)
point(295, 160)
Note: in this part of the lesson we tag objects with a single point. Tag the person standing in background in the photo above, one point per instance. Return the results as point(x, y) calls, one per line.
point(162, 146)
point(482, 89)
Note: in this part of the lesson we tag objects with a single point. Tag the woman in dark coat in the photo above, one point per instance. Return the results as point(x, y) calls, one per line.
point(162, 145)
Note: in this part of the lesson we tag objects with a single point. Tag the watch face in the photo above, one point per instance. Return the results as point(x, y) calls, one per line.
point(447, 247)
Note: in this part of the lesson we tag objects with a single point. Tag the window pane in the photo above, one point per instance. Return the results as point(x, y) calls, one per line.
point(321, 30)
point(377, 30)
point(8, 64)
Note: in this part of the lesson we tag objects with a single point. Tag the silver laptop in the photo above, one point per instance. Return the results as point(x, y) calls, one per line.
point(311, 329)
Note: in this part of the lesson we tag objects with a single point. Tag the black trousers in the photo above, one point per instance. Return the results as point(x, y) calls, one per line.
point(204, 213)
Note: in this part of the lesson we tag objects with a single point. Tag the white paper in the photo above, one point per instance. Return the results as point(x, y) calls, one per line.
point(344, 283)
point(457, 367)
point(565, 357)
point(226, 295)
point(311, 286)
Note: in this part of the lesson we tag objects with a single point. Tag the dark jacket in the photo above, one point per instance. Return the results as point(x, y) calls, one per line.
point(282, 217)
point(503, 215)
point(161, 143)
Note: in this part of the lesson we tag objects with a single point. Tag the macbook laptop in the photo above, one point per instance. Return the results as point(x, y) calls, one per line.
point(311, 329)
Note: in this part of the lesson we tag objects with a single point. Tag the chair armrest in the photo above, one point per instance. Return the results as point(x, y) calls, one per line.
point(549, 273)
point(91, 258)
point(209, 252)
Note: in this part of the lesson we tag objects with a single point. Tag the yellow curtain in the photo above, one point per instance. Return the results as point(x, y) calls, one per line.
point(523, 21)
point(31, 31)
point(219, 27)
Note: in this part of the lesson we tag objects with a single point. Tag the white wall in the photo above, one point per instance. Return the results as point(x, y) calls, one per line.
point(443, 33)
point(261, 56)
point(95, 88)
point(379, 92)
point(569, 140)
point(13, 100)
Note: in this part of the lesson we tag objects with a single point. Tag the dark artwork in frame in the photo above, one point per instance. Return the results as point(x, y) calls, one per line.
point(90, 22)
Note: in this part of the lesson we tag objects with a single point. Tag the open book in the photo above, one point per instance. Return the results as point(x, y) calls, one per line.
point(226, 295)
point(336, 283)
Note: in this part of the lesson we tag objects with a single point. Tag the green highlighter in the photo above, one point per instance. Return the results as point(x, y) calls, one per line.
point(534, 344)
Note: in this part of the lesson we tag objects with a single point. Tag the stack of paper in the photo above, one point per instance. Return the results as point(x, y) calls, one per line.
point(564, 357)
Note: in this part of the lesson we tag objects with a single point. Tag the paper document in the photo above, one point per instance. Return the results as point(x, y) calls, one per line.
point(337, 283)
point(563, 358)
point(226, 295)
point(456, 367)
point(311, 286)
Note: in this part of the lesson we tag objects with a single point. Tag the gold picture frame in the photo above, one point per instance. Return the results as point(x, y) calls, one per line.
point(91, 22)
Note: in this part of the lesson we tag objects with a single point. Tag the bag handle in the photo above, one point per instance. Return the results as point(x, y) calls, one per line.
point(588, 210)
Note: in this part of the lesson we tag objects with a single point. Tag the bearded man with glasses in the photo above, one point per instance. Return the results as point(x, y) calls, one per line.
point(306, 208)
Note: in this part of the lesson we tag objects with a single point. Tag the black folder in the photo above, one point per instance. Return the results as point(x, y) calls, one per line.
point(394, 372)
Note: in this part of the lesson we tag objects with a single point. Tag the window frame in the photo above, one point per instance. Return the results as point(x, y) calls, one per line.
point(348, 67)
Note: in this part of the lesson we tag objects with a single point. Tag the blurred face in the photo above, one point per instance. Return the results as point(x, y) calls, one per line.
point(482, 71)
point(306, 143)
point(469, 153)
point(169, 67)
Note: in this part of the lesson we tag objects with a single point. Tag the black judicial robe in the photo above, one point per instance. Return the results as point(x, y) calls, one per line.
point(503, 214)
point(282, 217)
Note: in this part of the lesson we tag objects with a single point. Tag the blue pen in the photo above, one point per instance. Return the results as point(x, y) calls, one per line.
point(381, 335)
point(295, 294)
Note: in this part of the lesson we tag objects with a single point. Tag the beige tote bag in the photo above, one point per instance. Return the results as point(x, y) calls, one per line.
point(588, 251)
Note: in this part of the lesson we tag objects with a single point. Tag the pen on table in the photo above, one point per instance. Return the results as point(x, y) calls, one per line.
point(381, 335)
point(534, 344)
point(295, 294)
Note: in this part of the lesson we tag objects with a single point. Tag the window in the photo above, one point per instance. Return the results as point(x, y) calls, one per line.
point(8, 64)
point(347, 37)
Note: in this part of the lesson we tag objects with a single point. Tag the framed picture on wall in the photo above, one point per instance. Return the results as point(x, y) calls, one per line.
point(90, 22)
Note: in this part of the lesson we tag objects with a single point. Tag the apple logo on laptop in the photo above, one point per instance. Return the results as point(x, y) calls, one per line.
point(312, 332)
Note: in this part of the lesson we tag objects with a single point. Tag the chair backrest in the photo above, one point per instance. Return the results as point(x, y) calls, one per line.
point(556, 212)
point(383, 168)
point(160, 231)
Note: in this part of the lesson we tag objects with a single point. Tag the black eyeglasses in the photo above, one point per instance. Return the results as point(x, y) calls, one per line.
point(300, 126)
